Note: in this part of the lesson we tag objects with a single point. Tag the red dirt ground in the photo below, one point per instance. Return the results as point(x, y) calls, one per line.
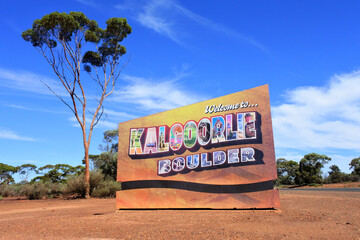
point(303, 215)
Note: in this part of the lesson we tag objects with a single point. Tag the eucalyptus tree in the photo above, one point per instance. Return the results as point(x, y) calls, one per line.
point(26, 170)
point(6, 173)
point(355, 165)
point(72, 43)
point(310, 168)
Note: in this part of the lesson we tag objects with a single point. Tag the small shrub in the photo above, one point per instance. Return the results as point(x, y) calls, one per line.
point(55, 189)
point(101, 192)
point(76, 186)
point(312, 184)
point(37, 190)
point(7, 190)
point(106, 188)
point(95, 179)
point(1, 198)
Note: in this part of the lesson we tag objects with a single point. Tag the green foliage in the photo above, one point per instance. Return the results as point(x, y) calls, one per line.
point(60, 38)
point(352, 178)
point(57, 173)
point(41, 190)
point(35, 190)
point(106, 188)
point(62, 29)
point(335, 175)
point(6, 172)
point(314, 184)
point(310, 168)
point(287, 171)
point(56, 27)
point(1, 198)
point(106, 162)
point(8, 190)
point(111, 138)
point(76, 185)
point(25, 170)
point(355, 165)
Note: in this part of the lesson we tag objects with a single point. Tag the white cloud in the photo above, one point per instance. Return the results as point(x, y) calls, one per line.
point(101, 124)
point(29, 82)
point(10, 135)
point(154, 18)
point(33, 109)
point(166, 16)
point(87, 3)
point(326, 117)
point(218, 27)
point(119, 116)
point(153, 95)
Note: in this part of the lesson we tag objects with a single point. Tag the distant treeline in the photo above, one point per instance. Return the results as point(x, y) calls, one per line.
point(62, 180)
point(308, 171)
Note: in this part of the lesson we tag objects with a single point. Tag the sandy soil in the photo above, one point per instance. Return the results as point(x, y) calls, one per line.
point(303, 215)
point(331, 185)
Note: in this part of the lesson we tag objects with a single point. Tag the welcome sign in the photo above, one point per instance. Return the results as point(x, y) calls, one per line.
point(214, 154)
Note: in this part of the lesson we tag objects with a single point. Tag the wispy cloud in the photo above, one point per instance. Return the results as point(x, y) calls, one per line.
point(20, 107)
point(29, 82)
point(101, 124)
point(218, 27)
point(119, 116)
point(322, 118)
point(13, 25)
point(165, 17)
point(89, 3)
point(153, 17)
point(153, 95)
point(10, 135)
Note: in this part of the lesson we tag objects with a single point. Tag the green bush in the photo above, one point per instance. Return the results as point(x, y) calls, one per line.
point(314, 185)
point(106, 188)
point(37, 190)
point(8, 190)
point(40, 190)
point(1, 198)
point(76, 185)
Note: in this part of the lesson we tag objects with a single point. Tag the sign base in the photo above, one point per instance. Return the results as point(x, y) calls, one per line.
point(165, 198)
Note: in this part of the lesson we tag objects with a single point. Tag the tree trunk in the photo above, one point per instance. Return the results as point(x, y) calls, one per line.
point(87, 171)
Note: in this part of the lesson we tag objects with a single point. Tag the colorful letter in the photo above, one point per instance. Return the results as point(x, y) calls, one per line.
point(204, 131)
point(151, 141)
point(218, 129)
point(163, 145)
point(230, 134)
point(164, 166)
point(219, 158)
point(178, 164)
point(247, 155)
point(135, 143)
point(190, 134)
point(192, 161)
point(204, 160)
point(233, 156)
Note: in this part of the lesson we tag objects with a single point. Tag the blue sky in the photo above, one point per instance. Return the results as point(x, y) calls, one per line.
point(182, 52)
